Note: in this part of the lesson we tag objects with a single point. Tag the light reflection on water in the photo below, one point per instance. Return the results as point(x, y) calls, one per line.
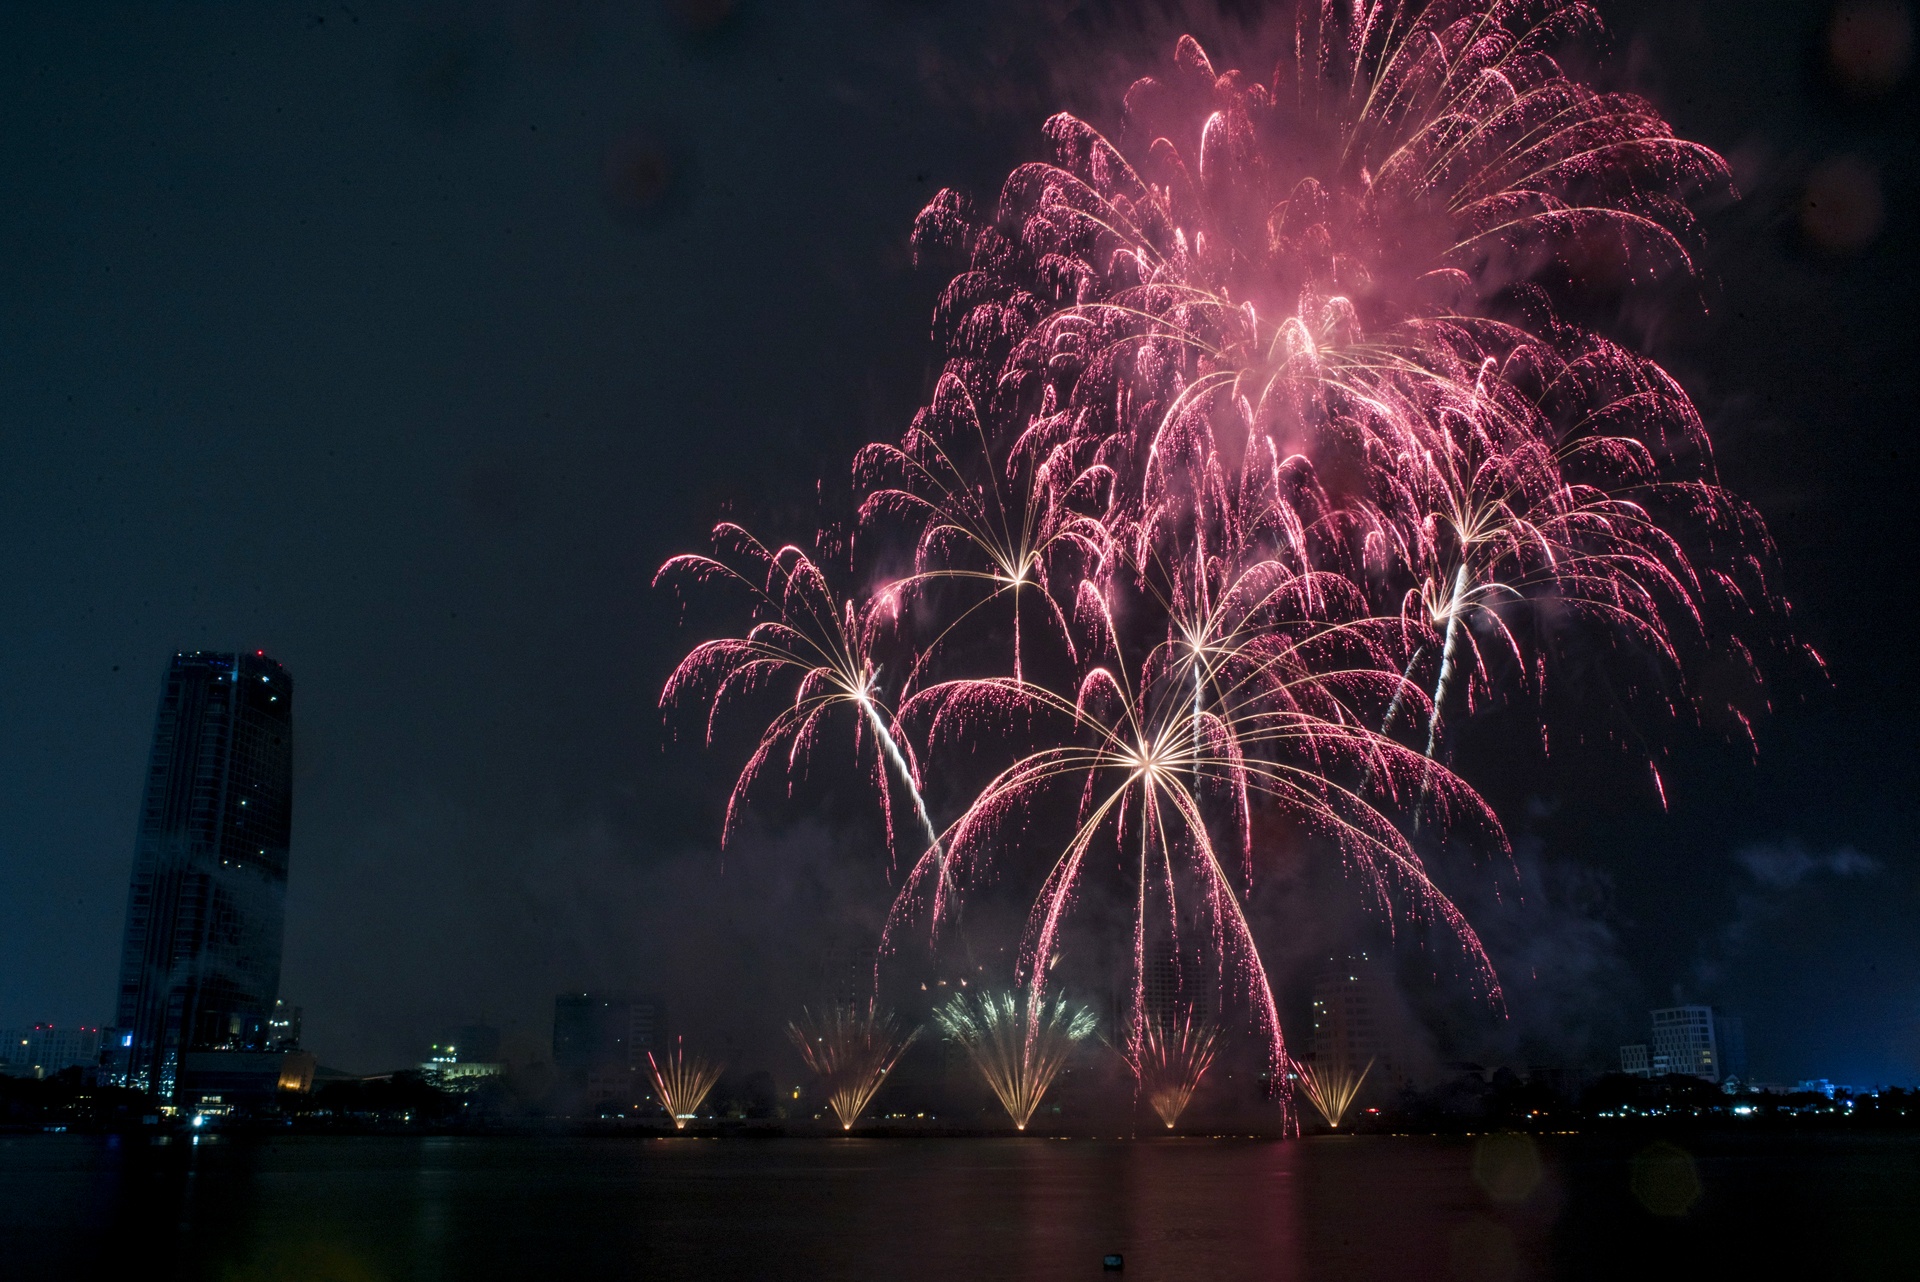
point(1500, 1208)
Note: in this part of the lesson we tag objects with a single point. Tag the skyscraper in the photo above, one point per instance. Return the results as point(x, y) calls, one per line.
point(601, 1041)
point(848, 967)
point(1356, 1024)
point(1730, 1031)
point(200, 962)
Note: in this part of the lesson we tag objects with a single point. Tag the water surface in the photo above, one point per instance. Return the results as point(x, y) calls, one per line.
point(930, 1210)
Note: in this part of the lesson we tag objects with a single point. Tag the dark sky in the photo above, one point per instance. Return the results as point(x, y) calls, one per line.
point(406, 345)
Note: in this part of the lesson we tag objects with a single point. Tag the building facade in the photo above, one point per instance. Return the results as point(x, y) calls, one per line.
point(848, 974)
point(44, 1049)
point(1730, 1032)
point(1684, 1037)
point(283, 1029)
point(601, 1042)
point(1355, 1026)
point(466, 1062)
point(1171, 989)
point(200, 958)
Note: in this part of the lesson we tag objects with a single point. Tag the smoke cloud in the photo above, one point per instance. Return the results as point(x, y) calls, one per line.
point(1784, 865)
point(1779, 876)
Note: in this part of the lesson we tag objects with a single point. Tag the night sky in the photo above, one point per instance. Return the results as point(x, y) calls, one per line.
point(406, 345)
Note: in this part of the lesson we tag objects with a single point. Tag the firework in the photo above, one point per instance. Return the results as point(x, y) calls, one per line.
point(1264, 452)
point(1267, 239)
point(852, 1050)
point(1019, 1044)
point(1331, 1092)
point(1265, 282)
point(803, 634)
point(1170, 1062)
point(1015, 535)
point(682, 1083)
point(1160, 764)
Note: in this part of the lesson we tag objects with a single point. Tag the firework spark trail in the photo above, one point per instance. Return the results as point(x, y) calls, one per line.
point(946, 478)
point(852, 1050)
point(1275, 728)
point(1454, 152)
point(905, 770)
point(1272, 410)
point(805, 634)
point(1331, 1092)
point(682, 1084)
point(1170, 1061)
point(1019, 1044)
point(1520, 512)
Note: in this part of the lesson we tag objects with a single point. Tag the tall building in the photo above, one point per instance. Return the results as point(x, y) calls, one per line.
point(847, 973)
point(1730, 1031)
point(1684, 1037)
point(1355, 1023)
point(283, 1029)
point(1160, 985)
point(601, 1041)
point(200, 961)
point(1172, 992)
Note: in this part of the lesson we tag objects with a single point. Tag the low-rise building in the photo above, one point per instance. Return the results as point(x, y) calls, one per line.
point(1684, 1036)
point(46, 1049)
point(220, 1080)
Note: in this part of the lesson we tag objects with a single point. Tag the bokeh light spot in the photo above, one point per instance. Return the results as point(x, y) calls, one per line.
point(638, 175)
point(1507, 1166)
point(1665, 1180)
point(1870, 45)
point(1842, 210)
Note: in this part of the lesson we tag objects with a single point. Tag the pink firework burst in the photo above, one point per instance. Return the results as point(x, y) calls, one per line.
point(802, 635)
point(1266, 446)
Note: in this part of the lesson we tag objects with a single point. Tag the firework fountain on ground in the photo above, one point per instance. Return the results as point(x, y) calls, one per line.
point(1331, 1091)
point(682, 1083)
point(1265, 450)
point(852, 1049)
point(1170, 1059)
point(1018, 1042)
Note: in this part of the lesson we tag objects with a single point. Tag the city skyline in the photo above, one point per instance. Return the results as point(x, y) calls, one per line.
point(456, 573)
point(175, 788)
point(1180, 639)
